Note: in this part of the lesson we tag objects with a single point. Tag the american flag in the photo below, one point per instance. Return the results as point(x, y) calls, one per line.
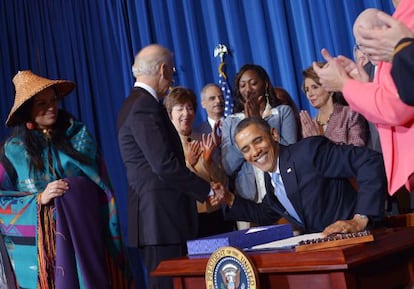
point(225, 89)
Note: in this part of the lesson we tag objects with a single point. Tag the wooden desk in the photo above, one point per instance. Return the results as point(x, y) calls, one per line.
point(385, 263)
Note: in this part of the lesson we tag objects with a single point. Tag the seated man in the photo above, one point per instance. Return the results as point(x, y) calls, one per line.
point(310, 182)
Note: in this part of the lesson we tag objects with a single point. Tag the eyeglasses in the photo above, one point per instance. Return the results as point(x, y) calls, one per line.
point(357, 47)
point(174, 75)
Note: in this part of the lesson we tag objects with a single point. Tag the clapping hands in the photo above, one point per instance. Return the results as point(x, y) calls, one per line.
point(208, 147)
point(309, 127)
point(337, 71)
point(210, 142)
point(379, 43)
point(193, 152)
point(252, 106)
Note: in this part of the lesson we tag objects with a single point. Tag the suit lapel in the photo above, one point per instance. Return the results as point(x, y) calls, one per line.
point(288, 172)
point(206, 127)
point(268, 184)
point(156, 106)
point(173, 133)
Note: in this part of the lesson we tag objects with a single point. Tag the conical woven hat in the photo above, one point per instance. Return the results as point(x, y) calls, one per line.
point(28, 84)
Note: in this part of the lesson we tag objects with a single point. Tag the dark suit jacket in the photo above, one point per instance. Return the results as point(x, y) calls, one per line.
point(315, 173)
point(161, 190)
point(402, 71)
point(373, 140)
point(203, 127)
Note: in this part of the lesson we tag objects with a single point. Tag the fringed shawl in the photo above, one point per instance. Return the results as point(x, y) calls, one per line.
point(20, 213)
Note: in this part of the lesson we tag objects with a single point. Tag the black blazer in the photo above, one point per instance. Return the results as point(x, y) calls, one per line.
point(161, 190)
point(316, 173)
point(402, 71)
point(203, 127)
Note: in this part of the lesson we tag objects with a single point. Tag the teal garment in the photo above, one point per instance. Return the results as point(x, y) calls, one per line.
point(19, 209)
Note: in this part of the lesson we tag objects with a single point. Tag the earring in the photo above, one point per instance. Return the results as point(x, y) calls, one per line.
point(30, 125)
point(267, 94)
point(267, 97)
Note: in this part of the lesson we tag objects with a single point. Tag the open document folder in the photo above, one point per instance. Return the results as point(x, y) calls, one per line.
point(242, 239)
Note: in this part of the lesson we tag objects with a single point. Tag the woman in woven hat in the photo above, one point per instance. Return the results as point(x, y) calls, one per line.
point(57, 210)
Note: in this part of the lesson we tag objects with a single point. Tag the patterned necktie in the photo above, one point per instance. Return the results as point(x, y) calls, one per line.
point(280, 193)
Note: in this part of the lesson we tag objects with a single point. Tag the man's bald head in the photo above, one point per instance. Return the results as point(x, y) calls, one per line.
point(149, 59)
point(367, 19)
point(154, 66)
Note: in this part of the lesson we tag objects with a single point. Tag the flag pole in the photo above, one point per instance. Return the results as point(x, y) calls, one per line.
point(220, 51)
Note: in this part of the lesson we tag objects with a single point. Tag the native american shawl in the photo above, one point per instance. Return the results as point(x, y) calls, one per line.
point(20, 212)
point(7, 277)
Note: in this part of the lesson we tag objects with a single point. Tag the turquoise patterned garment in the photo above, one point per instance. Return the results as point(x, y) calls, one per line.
point(19, 209)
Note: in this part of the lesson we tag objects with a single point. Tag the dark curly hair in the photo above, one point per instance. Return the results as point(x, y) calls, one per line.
point(262, 74)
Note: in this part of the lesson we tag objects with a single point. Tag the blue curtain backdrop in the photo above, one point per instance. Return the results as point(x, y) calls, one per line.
point(93, 43)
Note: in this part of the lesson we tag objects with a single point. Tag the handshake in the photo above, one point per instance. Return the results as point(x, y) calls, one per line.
point(221, 195)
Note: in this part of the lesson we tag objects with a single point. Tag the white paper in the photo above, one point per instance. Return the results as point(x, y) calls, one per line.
point(289, 242)
point(256, 229)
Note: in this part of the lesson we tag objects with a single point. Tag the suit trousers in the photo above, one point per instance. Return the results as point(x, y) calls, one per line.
point(153, 255)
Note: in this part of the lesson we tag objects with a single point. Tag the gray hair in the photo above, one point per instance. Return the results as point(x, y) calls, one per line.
point(207, 86)
point(151, 62)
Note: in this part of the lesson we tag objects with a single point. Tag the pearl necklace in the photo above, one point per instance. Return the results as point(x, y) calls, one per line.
point(323, 123)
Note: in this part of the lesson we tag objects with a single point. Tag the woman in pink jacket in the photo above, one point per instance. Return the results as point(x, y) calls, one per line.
point(379, 103)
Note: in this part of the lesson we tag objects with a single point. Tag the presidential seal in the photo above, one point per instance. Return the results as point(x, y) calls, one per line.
point(230, 268)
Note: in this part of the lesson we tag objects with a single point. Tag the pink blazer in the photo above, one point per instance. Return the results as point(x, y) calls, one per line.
point(379, 103)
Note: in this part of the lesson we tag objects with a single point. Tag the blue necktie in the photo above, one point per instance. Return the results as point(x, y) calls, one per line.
point(280, 193)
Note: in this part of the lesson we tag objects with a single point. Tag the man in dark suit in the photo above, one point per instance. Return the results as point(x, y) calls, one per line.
point(162, 192)
point(363, 59)
point(310, 184)
point(212, 101)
